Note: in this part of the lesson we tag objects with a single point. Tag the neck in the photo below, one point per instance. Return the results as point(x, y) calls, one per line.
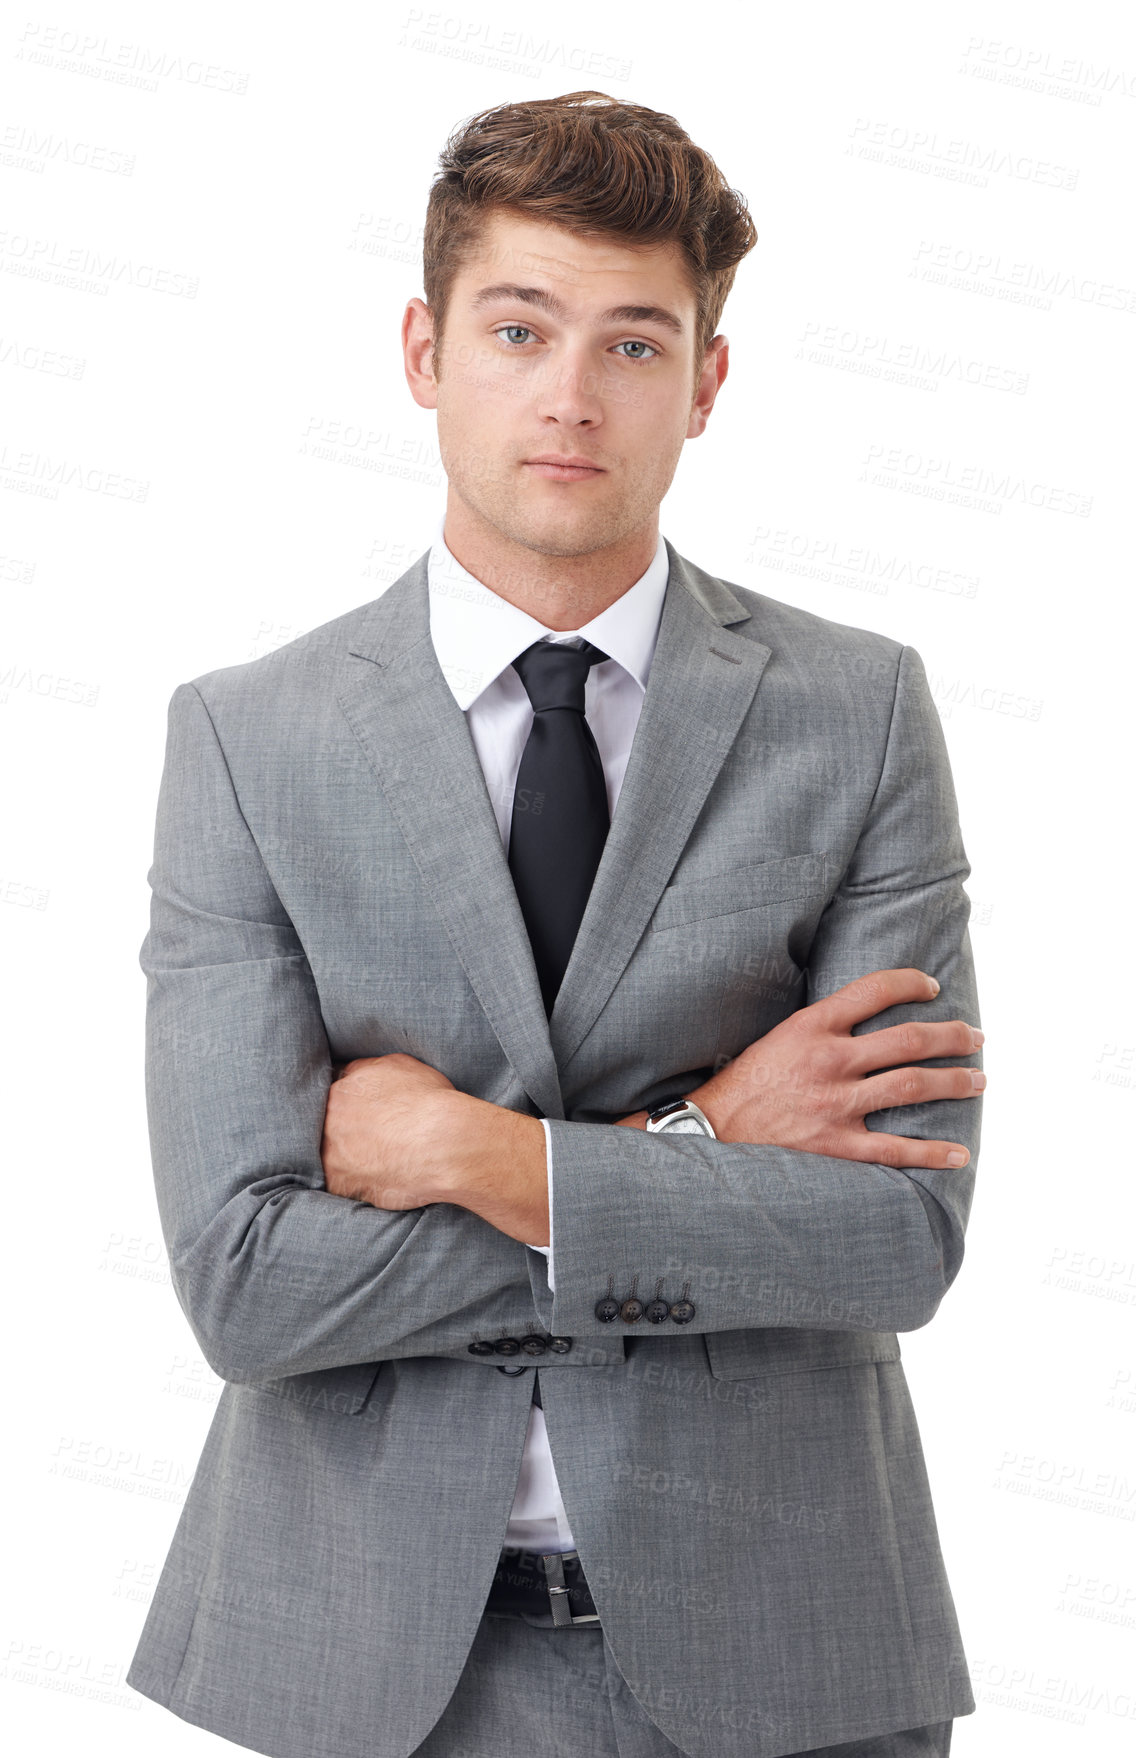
point(560, 591)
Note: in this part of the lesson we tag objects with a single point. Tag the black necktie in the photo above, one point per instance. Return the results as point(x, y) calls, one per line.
point(560, 815)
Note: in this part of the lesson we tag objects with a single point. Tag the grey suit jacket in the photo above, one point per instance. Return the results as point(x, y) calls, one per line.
point(747, 1492)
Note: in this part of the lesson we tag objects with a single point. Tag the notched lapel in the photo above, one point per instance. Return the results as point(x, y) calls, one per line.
point(702, 682)
point(404, 715)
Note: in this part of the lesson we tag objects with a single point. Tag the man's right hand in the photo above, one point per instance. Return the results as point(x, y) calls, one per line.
point(809, 1083)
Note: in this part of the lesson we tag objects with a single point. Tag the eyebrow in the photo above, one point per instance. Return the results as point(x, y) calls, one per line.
point(546, 301)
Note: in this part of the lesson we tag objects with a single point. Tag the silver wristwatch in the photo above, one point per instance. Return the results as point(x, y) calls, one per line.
point(680, 1116)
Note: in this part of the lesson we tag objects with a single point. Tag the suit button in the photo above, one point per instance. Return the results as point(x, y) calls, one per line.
point(632, 1309)
point(682, 1311)
point(607, 1309)
point(512, 1370)
point(560, 1345)
point(506, 1346)
point(533, 1344)
point(657, 1311)
point(481, 1348)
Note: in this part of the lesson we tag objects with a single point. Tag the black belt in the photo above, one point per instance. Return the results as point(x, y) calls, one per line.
point(547, 1586)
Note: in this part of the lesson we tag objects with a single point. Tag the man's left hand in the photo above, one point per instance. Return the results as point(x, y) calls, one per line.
point(378, 1131)
point(398, 1134)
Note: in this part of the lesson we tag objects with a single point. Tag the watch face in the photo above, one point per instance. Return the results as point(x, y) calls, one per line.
point(677, 1117)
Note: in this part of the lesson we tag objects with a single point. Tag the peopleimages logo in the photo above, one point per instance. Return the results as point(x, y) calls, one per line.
point(941, 478)
point(87, 269)
point(465, 38)
point(101, 57)
point(854, 564)
point(1044, 70)
point(965, 269)
point(949, 157)
point(921, 365)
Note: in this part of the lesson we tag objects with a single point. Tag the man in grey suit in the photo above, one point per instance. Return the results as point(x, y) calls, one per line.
point(560, 1000)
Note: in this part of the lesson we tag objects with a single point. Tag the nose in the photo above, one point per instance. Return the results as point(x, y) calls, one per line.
point(570, 388)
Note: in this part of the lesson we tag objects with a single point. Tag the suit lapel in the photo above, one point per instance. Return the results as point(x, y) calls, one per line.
point(403, 712)
point(703, 679)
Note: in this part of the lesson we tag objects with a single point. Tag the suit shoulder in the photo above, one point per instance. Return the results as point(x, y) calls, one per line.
point(807, 638)
point(296, 665)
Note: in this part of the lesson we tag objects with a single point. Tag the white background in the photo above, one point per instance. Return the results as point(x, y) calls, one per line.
point(210, 229)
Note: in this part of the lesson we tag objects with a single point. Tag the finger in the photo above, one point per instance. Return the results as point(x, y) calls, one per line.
point(901, 1152)
point(914, 1041)
point(915, 1086)
point(390, 1197)
point(373, 1075)
point(871, 994)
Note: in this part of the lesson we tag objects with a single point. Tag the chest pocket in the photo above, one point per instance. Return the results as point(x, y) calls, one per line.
point(733, 946)
point(743, 888)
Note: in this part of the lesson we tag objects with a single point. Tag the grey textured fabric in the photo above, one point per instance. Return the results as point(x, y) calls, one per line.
point(531, 1693)
point(527, 1693)
point(748, 1493)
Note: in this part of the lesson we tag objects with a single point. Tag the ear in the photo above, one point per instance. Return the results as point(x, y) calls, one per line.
point(418, 353)
point(714, 370)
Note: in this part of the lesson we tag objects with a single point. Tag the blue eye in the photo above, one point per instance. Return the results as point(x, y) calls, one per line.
point(509, 331)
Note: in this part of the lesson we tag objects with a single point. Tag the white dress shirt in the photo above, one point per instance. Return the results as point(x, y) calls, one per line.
point(477, 635)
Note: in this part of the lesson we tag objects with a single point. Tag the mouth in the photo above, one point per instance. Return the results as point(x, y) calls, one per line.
point(563, 469)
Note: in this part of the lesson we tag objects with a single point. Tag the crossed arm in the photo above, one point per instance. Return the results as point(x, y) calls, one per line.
point(279, 1275)
point(398, 1134)
point(841, 1172)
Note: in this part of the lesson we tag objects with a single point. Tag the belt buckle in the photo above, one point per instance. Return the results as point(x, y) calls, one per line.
point(562, 1615)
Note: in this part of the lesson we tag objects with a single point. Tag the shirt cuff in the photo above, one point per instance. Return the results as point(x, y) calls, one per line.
point(547, 1249)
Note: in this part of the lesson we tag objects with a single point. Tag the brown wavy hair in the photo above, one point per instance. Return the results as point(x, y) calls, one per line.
point(598, 167)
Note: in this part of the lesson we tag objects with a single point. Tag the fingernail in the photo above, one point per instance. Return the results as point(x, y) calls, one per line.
point(957, 1159)
point(977, 1078)
point(977, 1037)
point(934, 985)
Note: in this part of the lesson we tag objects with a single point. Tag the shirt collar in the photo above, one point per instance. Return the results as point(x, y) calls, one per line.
point(476, 633)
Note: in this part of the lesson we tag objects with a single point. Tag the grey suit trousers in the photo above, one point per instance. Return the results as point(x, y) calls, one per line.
point(531, 1692)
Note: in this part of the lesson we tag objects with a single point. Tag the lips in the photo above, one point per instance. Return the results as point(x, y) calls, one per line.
point(573, 463)
point(564, 469)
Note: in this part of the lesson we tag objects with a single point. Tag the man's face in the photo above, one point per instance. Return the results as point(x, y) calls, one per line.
point(574, 348)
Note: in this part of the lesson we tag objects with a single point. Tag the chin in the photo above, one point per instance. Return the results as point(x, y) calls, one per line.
point(559, 543)
point(560, 536)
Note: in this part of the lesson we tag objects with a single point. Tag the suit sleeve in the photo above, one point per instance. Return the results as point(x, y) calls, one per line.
point(770, 1236)
point(276, 1275)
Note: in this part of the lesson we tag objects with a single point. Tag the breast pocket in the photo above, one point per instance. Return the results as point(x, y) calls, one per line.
point(733, 946)
point(750, 887)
